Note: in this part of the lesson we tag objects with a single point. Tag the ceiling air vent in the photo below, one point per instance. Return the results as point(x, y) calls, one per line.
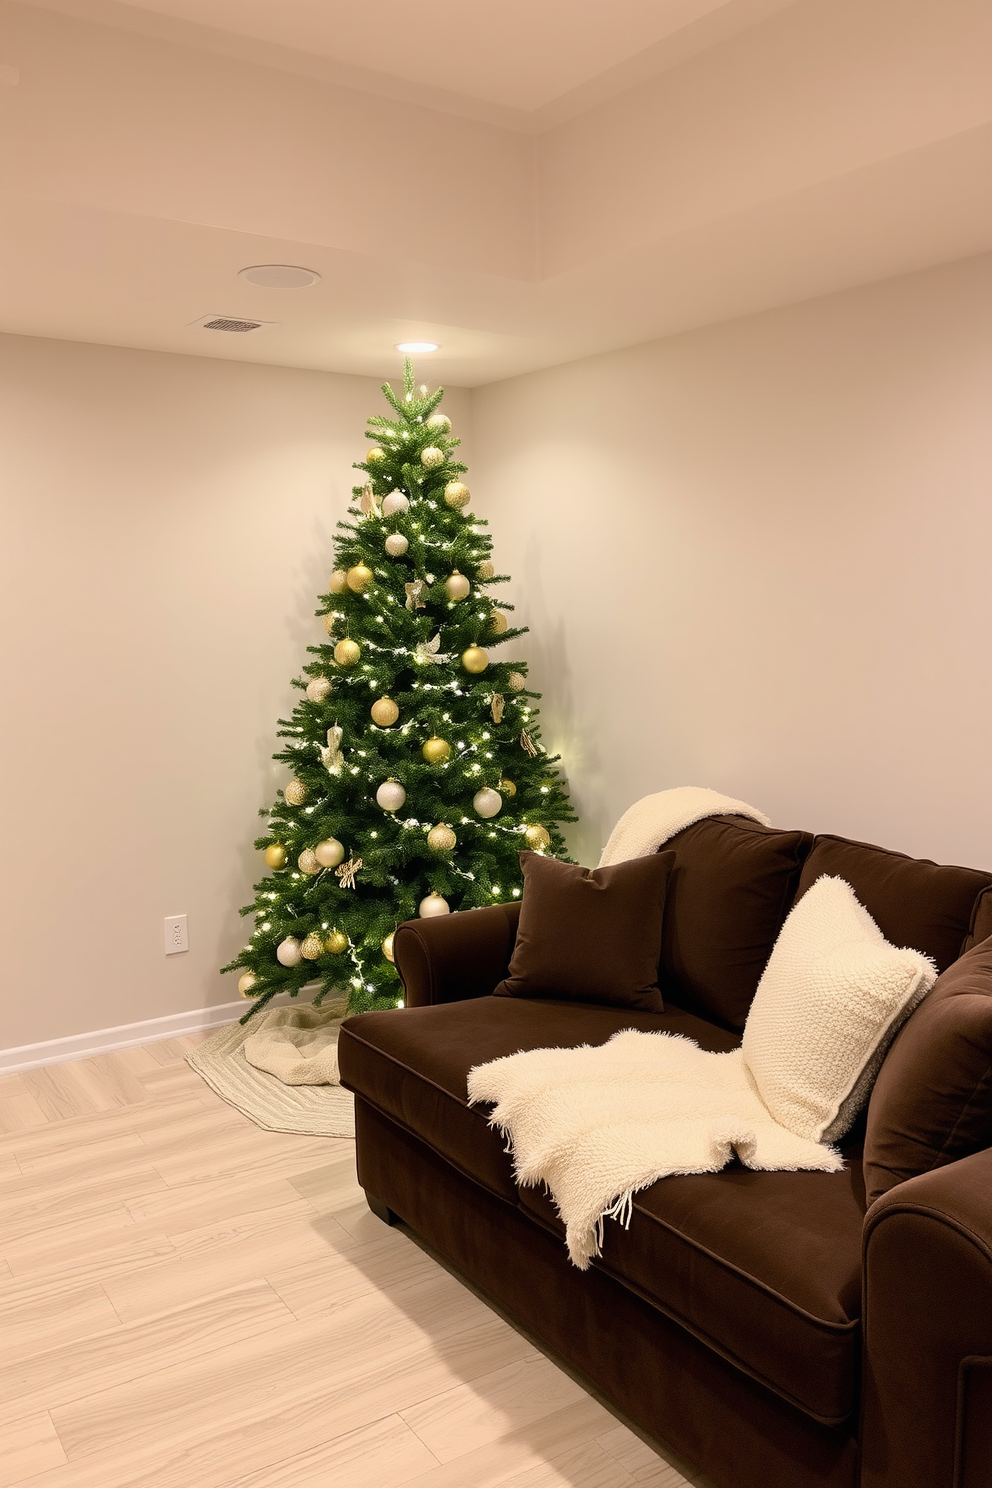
point(232, 324)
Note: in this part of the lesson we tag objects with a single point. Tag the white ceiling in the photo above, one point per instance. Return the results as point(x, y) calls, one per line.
point(722, 160)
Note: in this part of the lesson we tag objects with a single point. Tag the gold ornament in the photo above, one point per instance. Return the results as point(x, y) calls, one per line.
point(485, 571)
point(436, 750)
point(497, 704)
point(308, 862)
point(517, 681)
point(432, 457)
point(475, 659)
point(336, 942)
point(246, 983)
point(312, 947)
point(359, 577)
point(295, 793)
point(433, 906)
point(387, 949)
point(338, 582)
point(457, 495)
point(457, 586)
point(507, 787)
point(441, 838)
point(375, 455)
point(329, 852)
point(538, 837)
point(384, 712)
point(439, 421)
point(390, 795)
point(331, 758)
point(413, 593)
point(330, 620)
point(497, 622)
point(396, 544)
point(275, 855)
point(318, 688)
point(396, 501)
point(527, 743)
point(348, 872)
point(430, 651)
point(347, 652)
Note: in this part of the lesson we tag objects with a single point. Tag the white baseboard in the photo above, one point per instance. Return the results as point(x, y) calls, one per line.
point(106, 1040)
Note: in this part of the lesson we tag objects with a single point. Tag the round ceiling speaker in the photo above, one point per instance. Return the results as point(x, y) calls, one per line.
point(280, 276)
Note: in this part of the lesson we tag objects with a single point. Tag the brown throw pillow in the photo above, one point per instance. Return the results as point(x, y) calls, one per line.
point(932, 1101)
point(590, 935)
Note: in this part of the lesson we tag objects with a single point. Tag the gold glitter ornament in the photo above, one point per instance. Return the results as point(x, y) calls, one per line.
point(396, 544)
point(246, 983)
point(384, 712)
point(537, 837)
point(457, 495)
point(432, 457)
point(307, 862)
point(497, 622)
point(330, 620)
point(457, 586)
point(295, 793)
point(387, 949)
point(507, 787)
point(517, 681)
point(347, 652)
point(441, 839)
point(329, 853)
point(336, 942)
point(497, 704)
point(318, 689)
point(436, 750)
point(312, 947)
point(359, 578)
point(375, 455)
point(485, 571)
point(475, 659)
point(439, 421)
point(338, 582)
point(275, 855)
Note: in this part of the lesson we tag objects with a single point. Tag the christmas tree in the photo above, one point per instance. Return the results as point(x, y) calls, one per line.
point(418, 768)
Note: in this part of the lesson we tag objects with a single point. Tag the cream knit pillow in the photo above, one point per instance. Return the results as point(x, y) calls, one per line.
point(831, 1000)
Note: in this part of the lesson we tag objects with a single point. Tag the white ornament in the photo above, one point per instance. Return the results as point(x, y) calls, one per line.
point(318, 689)
point(390, 795)
point(288, 951)
point(433, 906)
point(395, 502)
point(439, 421)
point(487, 802)
point(396, 544)
point(432, 457)
point(430, 650)
point(329, 853)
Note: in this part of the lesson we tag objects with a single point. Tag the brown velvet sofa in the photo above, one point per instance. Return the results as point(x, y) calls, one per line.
point(775, 1329)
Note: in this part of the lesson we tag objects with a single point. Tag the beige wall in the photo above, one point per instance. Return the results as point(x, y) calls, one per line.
point(167, 524)
point(756, 557)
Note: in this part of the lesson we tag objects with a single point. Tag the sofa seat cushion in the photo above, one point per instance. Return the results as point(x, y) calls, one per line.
point(913, 902)
point(763, 1267)
point(733, 883)
point(413, 1064)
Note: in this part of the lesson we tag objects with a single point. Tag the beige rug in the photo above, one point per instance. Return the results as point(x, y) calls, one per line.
point(314, 1110)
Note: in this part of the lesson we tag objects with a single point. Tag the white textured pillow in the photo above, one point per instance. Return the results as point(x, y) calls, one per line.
point(832, 998)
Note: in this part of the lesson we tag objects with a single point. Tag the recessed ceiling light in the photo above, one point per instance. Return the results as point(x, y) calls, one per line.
point(280, 276)
point(413, 347)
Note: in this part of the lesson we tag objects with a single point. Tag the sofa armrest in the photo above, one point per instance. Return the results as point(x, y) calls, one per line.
point(928, 1330)
point(455, 956)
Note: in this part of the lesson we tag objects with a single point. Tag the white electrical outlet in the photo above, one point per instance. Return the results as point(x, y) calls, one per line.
point(176, 934)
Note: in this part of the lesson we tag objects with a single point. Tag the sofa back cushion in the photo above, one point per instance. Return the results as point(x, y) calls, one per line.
point(731, 888)
point(981, 922)
point(932, 1101)
point(913, 902)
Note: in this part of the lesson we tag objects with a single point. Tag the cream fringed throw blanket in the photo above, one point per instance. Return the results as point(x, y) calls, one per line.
point(596, 1125)
point(653, 819)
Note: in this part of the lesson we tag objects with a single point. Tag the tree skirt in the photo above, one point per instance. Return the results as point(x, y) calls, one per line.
point(314, 1110)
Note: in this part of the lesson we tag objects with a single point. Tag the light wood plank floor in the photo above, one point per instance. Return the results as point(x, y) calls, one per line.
point(190, 1302)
